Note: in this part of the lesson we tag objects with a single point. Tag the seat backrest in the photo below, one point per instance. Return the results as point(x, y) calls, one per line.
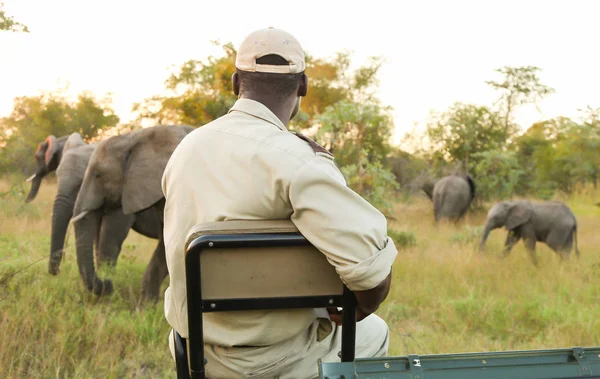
point(290, 267)
point(258, 265)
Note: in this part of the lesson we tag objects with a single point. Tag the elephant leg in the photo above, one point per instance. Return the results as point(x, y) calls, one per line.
point(155, 273)
point(530, 245)
point(157, 270)
point(511, 240)
point(436, 210)
point(560, 243)
point(115, 228)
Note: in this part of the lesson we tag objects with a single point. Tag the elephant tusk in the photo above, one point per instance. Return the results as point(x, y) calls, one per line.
point(79, 216)
point(31, 178)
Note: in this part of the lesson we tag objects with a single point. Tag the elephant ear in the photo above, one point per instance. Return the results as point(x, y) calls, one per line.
point(145, 165)
point(73, 141)
point(51, 150)
point(518, 215)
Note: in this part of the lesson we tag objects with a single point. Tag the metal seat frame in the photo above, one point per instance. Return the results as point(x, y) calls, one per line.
point(189, 354)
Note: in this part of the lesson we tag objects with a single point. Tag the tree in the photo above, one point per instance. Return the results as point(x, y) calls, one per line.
point(371, 180)
point(590, 116)
point(520, 85)
point(34, 118)
point(405, 167)
point(8, 23)
point(356, 128)
point(358, 135)
point(349, 130)
point(198, 92)
point(560, 154)
point(577, 161)
point(465, 130)
point(497, 174)
point(332, 81)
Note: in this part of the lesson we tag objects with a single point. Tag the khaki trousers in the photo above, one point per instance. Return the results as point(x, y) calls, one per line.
point(295, 358)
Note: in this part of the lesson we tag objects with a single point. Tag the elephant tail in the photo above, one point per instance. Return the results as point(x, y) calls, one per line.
point(472, 187)
point(575, 240)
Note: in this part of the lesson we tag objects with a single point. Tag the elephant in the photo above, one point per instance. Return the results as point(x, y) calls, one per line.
point(124, 177)
point(71, 156)
point(452, 195)
point(47, 158)
point(551, 222)
point(74, 158)
point(427, 187)
point(68, 156)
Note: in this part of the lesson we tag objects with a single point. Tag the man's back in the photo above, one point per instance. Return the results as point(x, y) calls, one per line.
point(238, 167)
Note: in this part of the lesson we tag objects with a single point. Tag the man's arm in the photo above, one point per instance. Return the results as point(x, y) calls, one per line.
point(347, 229)
point(369, 301)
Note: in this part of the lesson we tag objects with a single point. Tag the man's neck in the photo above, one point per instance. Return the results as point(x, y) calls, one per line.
point(278, 107)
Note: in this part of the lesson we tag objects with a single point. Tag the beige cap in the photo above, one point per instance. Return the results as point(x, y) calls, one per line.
point(270, 41)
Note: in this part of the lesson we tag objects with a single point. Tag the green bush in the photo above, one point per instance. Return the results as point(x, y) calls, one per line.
point(497, 174)
point(402, 238)
point(470, 235)
point(372, 181)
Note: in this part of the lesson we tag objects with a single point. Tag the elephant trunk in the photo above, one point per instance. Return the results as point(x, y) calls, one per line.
point(36, 180)
point(85, 231)
point(486, 233)
point(61, 214)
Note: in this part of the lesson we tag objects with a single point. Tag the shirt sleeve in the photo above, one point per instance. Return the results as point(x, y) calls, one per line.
point(341, 224)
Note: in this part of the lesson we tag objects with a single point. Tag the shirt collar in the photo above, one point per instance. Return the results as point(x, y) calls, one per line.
point(259, 110)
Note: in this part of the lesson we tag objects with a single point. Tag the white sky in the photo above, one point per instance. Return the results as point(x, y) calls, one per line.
point(437, 52)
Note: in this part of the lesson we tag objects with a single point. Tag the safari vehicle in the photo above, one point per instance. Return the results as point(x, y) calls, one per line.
point(245, 253)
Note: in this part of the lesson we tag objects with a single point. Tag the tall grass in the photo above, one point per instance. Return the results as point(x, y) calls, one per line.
point(51, 326)
point(445, 297)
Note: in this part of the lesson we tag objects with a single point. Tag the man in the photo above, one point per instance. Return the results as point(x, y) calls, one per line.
point(247, 166)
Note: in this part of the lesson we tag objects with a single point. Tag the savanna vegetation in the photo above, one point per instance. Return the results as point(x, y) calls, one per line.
point(445, 297)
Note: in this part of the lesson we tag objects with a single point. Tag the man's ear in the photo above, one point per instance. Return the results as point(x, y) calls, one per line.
point(303, 87)
point(235, 81)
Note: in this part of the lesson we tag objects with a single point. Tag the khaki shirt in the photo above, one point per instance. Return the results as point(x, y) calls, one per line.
point(247, 166)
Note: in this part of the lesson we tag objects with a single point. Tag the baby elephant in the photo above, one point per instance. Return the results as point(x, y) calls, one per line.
point(551, 222)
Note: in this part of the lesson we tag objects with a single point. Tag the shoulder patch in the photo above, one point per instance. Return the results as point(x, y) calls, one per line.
point(318, 149)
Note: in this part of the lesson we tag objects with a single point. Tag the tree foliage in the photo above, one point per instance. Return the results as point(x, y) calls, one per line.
point(35, 117)
point(497, 172)
point(560, 154)
point(200, 91)
point(8, 23)
point(350, 129)
point(358, 135)
point(519, 85)
point(465, 130)
point(197, 93)
point(356, 129)
point(372, 180)
point(551, 155)
point(406, 167)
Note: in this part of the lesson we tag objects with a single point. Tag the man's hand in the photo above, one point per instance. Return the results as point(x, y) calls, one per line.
point(367, 301)
point(336, 315)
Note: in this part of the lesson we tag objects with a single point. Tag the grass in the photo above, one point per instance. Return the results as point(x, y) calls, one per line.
point(445, 297)
point(52, 327)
